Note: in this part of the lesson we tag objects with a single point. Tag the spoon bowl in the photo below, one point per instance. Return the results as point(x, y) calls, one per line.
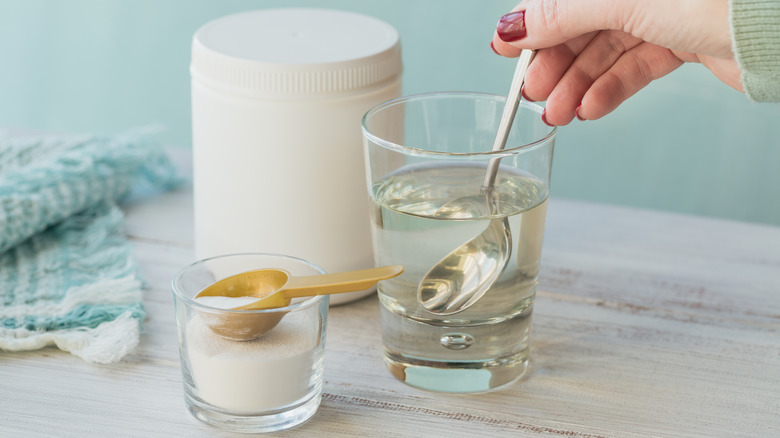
point(241, 326)
point(275, 289)
point(472, 267)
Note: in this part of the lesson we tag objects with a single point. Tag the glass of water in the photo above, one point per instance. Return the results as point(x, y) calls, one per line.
point(427, 156)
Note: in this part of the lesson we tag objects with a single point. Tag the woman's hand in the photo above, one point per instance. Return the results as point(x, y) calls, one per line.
point(594, 54)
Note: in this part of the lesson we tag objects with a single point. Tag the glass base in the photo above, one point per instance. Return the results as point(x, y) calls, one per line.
point(270, 422)
point(457, 377)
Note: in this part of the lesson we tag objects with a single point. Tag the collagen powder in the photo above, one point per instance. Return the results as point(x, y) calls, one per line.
point(225, 302)
point(271, 372)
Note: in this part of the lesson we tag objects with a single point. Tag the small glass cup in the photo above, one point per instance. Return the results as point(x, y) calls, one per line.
point(427, 159)
point(267, 384)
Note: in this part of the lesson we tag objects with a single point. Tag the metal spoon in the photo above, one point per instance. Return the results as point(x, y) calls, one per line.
point(275, 288)
point(463, 276)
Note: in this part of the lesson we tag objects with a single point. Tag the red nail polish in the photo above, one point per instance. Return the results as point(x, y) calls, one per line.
point(511, 27)
point(577, 113)
point(494, 48)
point(544, 117)
point(522, 93)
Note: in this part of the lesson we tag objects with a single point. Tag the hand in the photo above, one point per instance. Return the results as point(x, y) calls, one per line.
point(594, 54)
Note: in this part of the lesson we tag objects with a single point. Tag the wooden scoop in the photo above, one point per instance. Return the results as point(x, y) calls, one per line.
point(274, 288)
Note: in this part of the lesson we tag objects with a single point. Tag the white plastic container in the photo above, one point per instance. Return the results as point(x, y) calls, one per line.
point(277, 100)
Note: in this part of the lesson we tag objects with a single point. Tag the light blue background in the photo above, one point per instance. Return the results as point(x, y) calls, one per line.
point(686, 143)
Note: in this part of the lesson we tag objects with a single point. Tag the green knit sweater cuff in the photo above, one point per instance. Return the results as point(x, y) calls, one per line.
point(755, 27)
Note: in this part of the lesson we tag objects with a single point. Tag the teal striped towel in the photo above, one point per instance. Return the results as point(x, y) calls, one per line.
point(67, 276)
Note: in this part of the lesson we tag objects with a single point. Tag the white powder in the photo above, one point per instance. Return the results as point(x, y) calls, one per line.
point(250, 377)
point(225, 302)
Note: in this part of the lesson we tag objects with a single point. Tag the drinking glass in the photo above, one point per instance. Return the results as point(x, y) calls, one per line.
point(426, 160)
point(267, 384)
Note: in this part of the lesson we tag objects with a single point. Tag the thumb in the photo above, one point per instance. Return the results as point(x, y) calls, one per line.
point(697, 26)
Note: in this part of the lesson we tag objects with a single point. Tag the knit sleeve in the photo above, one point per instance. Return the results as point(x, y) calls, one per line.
point(755, 29)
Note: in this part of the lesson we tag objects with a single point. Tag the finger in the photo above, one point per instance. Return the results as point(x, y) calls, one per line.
point(550, 65)
point(632, 72)
point(547, 23)
point(503, 48)
point(592, 62)
point(699, 26)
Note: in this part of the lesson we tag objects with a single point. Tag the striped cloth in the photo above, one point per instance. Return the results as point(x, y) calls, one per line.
point(67, 277)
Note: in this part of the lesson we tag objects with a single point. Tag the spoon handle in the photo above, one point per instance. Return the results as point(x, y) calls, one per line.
point(508, 116)
point(339, 282)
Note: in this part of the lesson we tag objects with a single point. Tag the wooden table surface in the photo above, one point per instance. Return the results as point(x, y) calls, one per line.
point(645, 324)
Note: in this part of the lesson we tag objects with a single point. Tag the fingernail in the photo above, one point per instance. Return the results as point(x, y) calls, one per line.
point(577, 113)
point(522, 93)
point(494, 48)
point(544, 117)
point(511, 27)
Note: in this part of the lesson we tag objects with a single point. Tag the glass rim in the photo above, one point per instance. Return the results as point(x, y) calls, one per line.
point(178, 293)
point(444, 94)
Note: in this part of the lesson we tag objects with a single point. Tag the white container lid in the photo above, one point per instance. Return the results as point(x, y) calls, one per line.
point(295, 52)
